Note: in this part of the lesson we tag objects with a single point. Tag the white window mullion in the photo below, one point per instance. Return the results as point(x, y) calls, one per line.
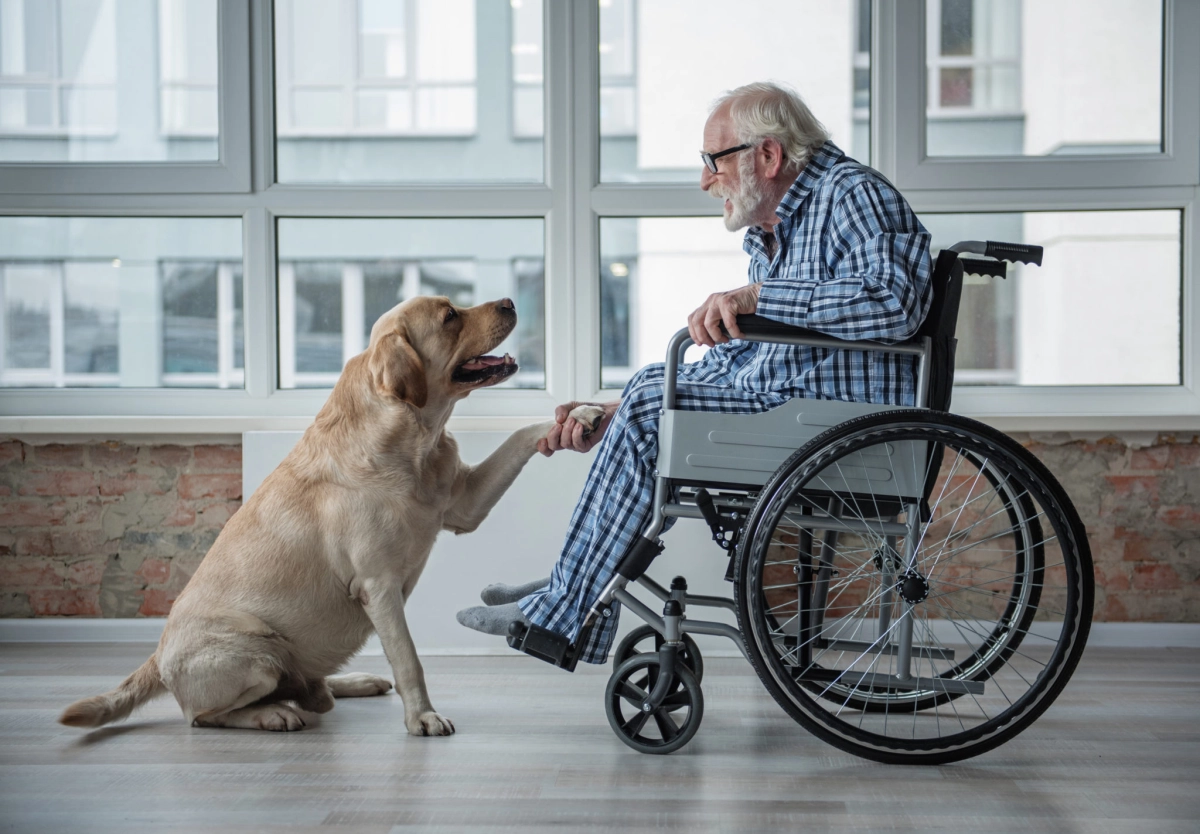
point(352, 311)
point(225, 324)
point(287, 325)
point(57, 330)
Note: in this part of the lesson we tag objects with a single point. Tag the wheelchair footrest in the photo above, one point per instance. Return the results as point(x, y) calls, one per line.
point(543, 644)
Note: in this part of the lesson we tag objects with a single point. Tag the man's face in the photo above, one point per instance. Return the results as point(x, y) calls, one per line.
point(737, 181)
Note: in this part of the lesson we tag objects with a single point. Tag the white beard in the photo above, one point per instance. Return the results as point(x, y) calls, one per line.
point(747, 201)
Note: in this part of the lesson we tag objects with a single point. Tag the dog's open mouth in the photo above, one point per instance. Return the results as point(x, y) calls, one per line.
point(485, 369)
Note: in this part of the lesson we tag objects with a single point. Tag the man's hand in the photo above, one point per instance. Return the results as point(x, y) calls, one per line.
point(568, 433)
point(704, 324)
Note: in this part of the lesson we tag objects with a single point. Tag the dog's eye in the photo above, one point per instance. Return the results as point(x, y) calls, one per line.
point(451, 315)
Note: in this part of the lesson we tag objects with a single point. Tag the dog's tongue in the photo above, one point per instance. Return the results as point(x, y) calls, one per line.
point(486, 361)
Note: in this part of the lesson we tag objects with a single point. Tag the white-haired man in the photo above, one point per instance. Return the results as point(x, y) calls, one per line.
point(833, 247)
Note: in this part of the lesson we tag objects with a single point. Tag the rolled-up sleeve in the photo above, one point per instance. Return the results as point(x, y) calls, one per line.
point(874, 279)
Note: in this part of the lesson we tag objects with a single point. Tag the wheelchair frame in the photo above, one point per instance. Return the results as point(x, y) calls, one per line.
point(737, 455)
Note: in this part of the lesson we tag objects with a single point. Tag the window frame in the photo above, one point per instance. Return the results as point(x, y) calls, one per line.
point(570, 202)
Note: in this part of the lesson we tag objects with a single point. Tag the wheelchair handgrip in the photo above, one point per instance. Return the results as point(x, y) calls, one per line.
point(1015, 252)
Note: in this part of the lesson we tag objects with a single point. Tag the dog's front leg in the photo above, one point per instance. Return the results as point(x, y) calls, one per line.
point(484, 484)
point(384, 603)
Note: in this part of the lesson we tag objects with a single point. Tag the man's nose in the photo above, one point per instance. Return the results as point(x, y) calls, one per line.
point(706, 178)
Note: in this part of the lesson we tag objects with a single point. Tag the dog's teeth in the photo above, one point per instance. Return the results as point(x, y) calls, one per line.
point(508, 360)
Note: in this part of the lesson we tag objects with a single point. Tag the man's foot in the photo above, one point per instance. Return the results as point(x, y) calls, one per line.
point(501, 594)
point(491, 619)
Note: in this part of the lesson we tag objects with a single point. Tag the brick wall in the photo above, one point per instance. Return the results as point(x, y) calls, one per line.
point(108, 529)
point(115, 529)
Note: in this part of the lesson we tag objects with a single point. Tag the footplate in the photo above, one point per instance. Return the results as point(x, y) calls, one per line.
point(543, 644)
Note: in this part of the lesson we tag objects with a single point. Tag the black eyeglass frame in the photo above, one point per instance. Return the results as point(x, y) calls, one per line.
point(710, 159)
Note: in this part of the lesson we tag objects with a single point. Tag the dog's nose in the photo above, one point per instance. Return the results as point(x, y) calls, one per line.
point(507, 304)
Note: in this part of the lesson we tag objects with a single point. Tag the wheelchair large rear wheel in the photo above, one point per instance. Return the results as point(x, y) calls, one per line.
point(914, 587)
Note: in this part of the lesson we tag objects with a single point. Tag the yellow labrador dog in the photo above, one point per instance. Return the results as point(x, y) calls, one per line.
point(333, 542)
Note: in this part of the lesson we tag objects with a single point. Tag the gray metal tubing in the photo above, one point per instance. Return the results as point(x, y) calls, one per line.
point(689, 626)
point(836, 645)
point(681, 340)
point(974, 247)
point(842, 525)
point(910, 685)
point(689, 599)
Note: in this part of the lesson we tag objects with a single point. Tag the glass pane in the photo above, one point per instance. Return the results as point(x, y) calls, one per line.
point(414, 91)
point(66, 97)
point(1103, 309)
point(336, 277)
point(138, 302)
point(663, 62)
point(1004, 81)
point(654, 271)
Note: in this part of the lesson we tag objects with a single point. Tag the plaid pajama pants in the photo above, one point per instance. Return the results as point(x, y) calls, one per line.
point(617, 502)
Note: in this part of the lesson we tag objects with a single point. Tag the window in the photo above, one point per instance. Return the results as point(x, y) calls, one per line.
point(662, 62)
point(73, 73)
point(207, 203)
point(336, 277)
point(1004, 81)
point(120, 302)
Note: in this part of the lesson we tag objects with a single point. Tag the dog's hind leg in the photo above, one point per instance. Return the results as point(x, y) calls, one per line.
point(237, 701)
point(357, 685)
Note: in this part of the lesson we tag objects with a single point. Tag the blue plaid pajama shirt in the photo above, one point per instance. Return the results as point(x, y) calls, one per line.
point(853, 262)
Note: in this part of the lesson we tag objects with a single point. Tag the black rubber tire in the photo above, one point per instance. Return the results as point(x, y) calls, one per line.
point(688, 652)
point(640, 672)
point(1016, 465)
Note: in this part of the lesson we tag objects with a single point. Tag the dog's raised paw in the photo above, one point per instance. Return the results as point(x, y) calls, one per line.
point(430, 724)
point(589, 415)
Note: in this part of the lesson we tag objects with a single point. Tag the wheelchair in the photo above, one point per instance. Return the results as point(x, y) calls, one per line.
point(911, 586)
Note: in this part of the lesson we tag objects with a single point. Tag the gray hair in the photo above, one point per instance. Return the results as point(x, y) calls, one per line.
point(766, 110)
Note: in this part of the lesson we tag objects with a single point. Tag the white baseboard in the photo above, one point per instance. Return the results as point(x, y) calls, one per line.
point(148, 630)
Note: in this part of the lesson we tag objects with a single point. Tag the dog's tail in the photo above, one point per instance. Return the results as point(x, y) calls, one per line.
point(134, 691)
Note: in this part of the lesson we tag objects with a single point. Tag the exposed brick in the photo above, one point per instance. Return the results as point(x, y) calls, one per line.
point(82, 543)
point(181, 516)
point(32, 513)
point(155, 571)
point(128, 482)
point(66, 483)
point(65, 602)
point(156, 602)
point(1181, 518)
point(222, 458)
point(5, 491)
point(112, 455)
point(217, 515)
point(11, 451)
point(25, 574)
point(1114, 579)
point(58, 454)
point(169, 455)
point(1155, 577)
point(87, 574)
point(1185, 455)
point(1125, 486)
point(14, 604)
point(1152, 457)
point(34, 544)
point(1114, 610)
point(210, 486)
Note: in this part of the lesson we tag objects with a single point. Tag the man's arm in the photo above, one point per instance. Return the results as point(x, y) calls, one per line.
point(874, 282)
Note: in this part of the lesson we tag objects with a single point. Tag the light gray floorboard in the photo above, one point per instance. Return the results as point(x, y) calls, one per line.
point(1118, 752)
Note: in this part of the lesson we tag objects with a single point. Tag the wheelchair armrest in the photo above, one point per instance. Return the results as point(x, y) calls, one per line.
point(756, 328)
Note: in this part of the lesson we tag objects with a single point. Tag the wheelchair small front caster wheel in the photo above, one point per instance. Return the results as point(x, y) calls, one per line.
point(644, 639)
point(661, 730)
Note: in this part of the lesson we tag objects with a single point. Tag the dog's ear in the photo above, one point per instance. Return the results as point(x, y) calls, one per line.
point(397, 371)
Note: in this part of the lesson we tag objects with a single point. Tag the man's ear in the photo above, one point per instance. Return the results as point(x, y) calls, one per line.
point(772, 157)
point(397, 371)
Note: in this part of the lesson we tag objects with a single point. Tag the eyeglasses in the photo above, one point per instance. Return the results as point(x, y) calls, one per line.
point(710, 159)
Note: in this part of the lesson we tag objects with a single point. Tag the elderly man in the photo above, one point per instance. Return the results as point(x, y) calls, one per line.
point(833, 247)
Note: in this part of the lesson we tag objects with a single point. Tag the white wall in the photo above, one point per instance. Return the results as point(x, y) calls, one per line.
point(518, 542)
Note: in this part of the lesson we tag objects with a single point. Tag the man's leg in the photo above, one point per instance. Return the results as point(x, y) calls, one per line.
point(617, 504)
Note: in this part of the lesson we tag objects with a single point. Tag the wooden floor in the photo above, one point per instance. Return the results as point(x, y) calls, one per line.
point(1119, 752)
